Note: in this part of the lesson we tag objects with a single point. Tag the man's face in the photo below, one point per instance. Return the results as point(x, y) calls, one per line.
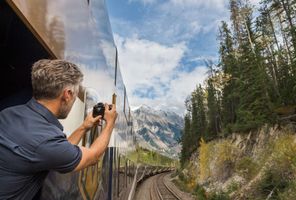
point(66, 106)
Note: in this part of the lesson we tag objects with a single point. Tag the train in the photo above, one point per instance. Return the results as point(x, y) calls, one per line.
point(78, 31)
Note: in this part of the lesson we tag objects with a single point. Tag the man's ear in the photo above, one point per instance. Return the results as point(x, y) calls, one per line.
point(66, 94)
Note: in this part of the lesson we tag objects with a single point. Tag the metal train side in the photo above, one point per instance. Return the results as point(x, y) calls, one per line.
point(78, 31)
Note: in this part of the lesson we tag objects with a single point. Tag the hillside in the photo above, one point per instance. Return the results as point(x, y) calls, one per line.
point(258, 165)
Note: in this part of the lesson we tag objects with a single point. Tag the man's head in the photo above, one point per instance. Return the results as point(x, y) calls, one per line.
point(57, 80)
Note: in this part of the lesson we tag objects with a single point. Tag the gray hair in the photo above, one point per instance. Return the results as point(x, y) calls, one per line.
point(50, 77)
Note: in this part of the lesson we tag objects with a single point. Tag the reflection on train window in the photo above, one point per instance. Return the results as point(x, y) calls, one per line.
point(116, 64)
point(125, 104)
point(124, 100)
point(129, 115)
point(118, 177)
point(91, 98)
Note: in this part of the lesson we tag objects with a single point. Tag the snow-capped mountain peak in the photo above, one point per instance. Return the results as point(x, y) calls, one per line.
point(157, 129)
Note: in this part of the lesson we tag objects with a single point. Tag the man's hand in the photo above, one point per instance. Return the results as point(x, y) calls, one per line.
point(91, 121)
point(91, 155)
point(88, 123)
point(110, 115)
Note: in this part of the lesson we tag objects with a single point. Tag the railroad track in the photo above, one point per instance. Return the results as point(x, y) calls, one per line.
point(160, 191)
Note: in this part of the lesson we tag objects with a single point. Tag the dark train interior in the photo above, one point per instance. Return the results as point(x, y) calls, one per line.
point(19, 49)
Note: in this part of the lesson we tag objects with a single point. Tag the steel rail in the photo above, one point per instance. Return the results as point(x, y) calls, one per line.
point(161, 191)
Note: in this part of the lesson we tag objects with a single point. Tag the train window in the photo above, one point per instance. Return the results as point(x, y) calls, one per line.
point(125, 104)
point(124, 100)
point(91, 97)
point(125, 172)
point(118, 176)
point(116, 66)
point(129, 117)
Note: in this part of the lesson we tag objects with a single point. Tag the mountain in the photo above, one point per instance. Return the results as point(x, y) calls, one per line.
point(158, 130)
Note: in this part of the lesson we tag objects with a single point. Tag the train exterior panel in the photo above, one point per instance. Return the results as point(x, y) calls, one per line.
point(78, 31)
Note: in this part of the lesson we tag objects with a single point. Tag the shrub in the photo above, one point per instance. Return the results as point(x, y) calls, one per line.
point(182, 177)
point(225, 151)
point(204, 160)
point(284, 153)
point(247, 168)
point(223, 165)
point(234, 186)
point(216, 160)
point(219, 196)
point(200, 193)
point(272, 184)
point(289, 193)
point(278, 179)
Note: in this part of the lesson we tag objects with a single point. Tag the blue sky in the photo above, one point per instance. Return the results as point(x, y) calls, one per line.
point(162, 46)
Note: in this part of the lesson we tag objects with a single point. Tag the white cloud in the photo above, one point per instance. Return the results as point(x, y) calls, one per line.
point(204, 58)
point(182, 86)
point(146, 64)
point(145, 2)
point(209, 4)
point(176, 93)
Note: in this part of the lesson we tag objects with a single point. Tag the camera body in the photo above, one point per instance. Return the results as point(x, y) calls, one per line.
point(99, 109)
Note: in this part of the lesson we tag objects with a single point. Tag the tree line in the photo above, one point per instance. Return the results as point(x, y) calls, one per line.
point(255, 79)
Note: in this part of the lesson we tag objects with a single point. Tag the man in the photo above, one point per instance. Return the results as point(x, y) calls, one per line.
point(32, 141)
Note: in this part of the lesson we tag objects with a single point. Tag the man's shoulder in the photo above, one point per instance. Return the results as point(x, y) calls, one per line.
point(23, 126)
point(11, 116)
point(13, 108)
point(15, 112)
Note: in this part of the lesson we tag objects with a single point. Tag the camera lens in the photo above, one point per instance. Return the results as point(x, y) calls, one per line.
point(99, 109)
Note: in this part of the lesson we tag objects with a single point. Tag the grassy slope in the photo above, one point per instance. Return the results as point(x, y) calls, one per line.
point(151, 157)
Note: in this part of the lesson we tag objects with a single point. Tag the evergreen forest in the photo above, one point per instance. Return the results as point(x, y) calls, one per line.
point(254, 82)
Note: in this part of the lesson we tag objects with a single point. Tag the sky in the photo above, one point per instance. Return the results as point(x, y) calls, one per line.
point(162, 47)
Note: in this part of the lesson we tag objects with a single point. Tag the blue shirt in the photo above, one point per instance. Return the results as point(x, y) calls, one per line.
point(32, 142)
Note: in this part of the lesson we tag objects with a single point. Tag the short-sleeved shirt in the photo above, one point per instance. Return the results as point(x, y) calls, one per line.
point(32, 142)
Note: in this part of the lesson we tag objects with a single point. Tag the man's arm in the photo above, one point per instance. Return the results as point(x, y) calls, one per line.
point(91, 155)
point(88, 123)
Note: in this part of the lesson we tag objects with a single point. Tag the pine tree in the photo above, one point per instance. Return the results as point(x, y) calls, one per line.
point(198, 128)
point(185, 140)
point(280, 16)
point(194, 124)
point(229, 68)
point(201, 112)
point(270, 50)
point(254, 107)
point(194, 129)
point(213, 111)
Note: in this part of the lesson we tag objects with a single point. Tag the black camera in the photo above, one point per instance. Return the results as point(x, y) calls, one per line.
point(99, 109)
